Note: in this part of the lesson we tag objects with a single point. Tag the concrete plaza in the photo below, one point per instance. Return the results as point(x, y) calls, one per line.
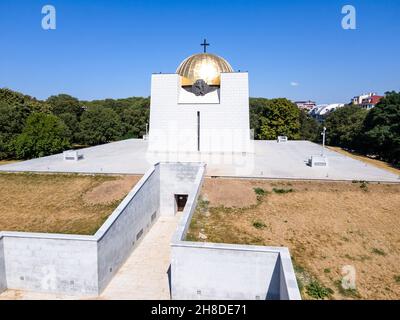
point(270, 160)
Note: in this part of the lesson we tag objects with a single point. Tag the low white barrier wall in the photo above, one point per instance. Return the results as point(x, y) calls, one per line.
point(81, 265)
point(128, 224)
point(54, 263)
point(223, 271)
point(3, 284)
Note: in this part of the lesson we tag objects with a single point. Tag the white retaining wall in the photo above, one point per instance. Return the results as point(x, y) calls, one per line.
point(3, 284)
point(223, 271)
point(177, 178)
point(50, 263)
point(81, 265)
point(127, 226)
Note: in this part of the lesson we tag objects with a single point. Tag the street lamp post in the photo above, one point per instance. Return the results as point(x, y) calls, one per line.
point(323, 141)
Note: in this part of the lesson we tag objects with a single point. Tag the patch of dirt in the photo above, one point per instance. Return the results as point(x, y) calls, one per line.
point(110, 191)
point(326, 225)
point(229, 193)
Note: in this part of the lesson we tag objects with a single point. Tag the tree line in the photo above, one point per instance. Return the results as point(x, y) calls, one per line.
point(32, 128)
point(375, 133)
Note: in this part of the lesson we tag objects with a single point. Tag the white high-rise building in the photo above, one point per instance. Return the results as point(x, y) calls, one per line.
point(203, 107)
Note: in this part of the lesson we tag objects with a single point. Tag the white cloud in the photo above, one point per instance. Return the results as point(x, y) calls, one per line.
point(294, 84)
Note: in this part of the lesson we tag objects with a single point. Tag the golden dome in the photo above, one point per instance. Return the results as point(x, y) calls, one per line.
point(205, 66)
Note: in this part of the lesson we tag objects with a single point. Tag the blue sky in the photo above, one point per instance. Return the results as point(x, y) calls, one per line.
point(108, 49)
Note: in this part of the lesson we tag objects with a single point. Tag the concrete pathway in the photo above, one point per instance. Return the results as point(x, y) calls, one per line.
point(144, 276)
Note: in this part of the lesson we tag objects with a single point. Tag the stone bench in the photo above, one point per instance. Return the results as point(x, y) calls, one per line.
point(318, 161)
point(282, 139)
point(72, 155)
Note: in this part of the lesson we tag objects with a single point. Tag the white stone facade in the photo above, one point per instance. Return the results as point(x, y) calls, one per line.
point(183, 122)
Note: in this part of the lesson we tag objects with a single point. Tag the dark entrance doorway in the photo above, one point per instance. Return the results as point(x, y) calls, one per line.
point(180, 200)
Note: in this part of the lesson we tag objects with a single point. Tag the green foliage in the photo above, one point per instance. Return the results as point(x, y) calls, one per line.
point(273, 118)
point(72, 123)
point(12, 122)
point(318, 291)
point(364, 186)
point(378, 252)
point(202, 205)
point(134, 121)
point(282, 191)
point(309, 127)
point(349, 292)
point(43, 134)
point(63, 103)
point(12, 98)
point(345, 127)
point(382, 129)
point(133, 112)
point(259, 191)
point(259, 225)
point(99, 125)
point(374, 133)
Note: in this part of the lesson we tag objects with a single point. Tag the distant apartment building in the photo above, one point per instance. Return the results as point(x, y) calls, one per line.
point(371, 102)
point(321, 111)
point(306, 105)
point(358, 100)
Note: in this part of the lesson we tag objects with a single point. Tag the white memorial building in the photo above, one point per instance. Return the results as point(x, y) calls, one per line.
point(203, 107)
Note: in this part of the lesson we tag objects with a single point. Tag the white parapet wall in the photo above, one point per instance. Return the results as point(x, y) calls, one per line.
point(50, 263)
point(3, 284)
point(80, 265)
point(225, 271)
point(127, 226)
point(177, 179)
point(84, 265)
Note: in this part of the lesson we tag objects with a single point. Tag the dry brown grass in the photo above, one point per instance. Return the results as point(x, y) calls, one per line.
point(326, 226)
point(72, 204)
point(2, 162)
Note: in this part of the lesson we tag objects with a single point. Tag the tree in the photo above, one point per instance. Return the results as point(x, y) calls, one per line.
point(12, 122)
point(43, 134)
point(14, 98)
point(99, 125)
point(273, 118)
point(309, 128)
point(382, 129)
point(64, 103)
point(345, 126)
point(72, 123)
point(134, 121)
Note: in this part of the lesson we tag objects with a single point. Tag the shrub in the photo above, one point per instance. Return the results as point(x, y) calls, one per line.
point(379, 252)
point(259, 191)
point(282, 191)
point(318, 291)
point(259, 225)
point(364, 186)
